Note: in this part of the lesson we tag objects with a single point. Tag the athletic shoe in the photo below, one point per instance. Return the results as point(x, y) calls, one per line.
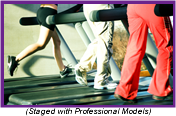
point(105, 85)
point(65, 72)
point(81, 77)
point(170, 97)
point(124, 99)
point(11, 64)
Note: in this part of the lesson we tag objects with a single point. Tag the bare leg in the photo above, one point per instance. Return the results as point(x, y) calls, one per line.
point(56, 50)
point(44, 37)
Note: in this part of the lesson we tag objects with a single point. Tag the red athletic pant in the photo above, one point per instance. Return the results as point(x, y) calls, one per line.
point(140, 18)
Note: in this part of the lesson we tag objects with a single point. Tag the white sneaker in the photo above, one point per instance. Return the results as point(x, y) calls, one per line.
point(105, 85)
point(81, 77)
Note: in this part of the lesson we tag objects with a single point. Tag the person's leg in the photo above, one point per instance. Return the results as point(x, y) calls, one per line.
point(90, 55)
point(64, 70)
point(162, 30)
point(86, 63)
point(128, 86)
point(46, 32)
point(163, 34)
point(104, 53)
point(103, 32)
point(88, 59)
point(44, 37)
point(56, 50)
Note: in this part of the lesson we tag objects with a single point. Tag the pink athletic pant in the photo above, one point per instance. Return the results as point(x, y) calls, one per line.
point(140, 18)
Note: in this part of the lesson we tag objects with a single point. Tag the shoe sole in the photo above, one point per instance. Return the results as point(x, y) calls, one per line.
point(109, 88)
point(8, 65)
point(63, 76)
point(123, 99)
point(170, 97)
point(158, 98)
point(11, 65)
point(113, 86)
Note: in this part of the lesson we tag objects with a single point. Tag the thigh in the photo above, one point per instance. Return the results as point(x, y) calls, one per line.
point(42, 14)
point(146, 11)
point(44, 36)
point(97, 27)
point(138, 30)
point(160, 27)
